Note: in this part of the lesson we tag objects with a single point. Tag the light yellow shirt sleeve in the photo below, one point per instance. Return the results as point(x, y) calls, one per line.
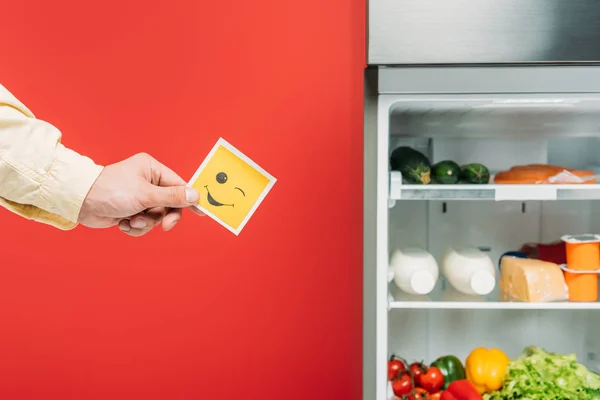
point(40, 179)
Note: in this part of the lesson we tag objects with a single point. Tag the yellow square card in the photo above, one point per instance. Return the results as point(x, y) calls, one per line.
point(231, 186)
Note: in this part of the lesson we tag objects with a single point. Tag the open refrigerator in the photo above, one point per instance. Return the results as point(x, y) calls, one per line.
point(501, 115)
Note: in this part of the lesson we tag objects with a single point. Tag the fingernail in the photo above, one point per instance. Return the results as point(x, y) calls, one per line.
point(191, 195)
point(124, 226)
point(139, 223)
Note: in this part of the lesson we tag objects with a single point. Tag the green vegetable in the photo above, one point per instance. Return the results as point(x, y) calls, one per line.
point(446, 172)
point(452, 369)
point(413, 164)
point(475, 173)
point(539, 375)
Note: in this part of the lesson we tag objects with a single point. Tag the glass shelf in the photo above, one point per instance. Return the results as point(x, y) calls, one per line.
point(400, 191)
point(449, 298)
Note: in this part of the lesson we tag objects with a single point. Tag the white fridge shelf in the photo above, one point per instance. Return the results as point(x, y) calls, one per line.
point(491, 305)
point(400, 191)
point(450, 299)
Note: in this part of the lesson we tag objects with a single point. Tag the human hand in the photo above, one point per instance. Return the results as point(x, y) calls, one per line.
point(137, 194)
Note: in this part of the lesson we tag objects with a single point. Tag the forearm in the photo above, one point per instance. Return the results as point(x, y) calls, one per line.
point(40, 179)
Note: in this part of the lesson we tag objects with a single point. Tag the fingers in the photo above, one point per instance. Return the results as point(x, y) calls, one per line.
point(142, 223)
point(166, 188)
point(196, 211)
point(125, 227)
point(170, 197)
point(172, 218)
point(149, 219)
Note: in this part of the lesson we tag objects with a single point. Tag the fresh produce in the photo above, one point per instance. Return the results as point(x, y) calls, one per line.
point(461, 390)
point(446, 172)
point(542, 174)
point(486, 369)
point(416, 381)
point(452, 369)
point(395, 365)
point(403, 384)
point(417, 369)
point(414, 165)
point(490, 375)
point(428, 378)
point(432, 380)
point(436, 395)
point(540, 375)
point(419, 394)
point(475, 173)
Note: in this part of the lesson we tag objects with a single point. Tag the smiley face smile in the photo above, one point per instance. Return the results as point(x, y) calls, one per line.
point(212, 201)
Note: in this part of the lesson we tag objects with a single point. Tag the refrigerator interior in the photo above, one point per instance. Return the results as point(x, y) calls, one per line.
point(498, 131)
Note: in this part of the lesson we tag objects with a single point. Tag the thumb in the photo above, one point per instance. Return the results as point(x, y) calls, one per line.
point(170, 196)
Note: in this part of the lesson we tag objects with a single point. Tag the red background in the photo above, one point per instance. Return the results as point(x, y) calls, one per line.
point(196, 313)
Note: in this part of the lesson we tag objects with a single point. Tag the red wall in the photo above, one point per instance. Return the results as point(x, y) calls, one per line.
point(196, 313)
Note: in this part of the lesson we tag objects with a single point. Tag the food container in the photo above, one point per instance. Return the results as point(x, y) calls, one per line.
point(470, 271)
point(582, 268)
point(415, 271)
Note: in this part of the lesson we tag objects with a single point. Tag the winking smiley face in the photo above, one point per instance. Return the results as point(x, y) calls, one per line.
point(229, 187)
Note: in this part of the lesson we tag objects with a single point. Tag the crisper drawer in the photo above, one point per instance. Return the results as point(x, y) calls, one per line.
point(483, 31)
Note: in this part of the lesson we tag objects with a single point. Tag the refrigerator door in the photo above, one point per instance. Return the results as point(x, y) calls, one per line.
point(483, 31)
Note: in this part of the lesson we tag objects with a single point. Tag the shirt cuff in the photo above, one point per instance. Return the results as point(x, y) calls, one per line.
point(34, 213)
point(67, 183)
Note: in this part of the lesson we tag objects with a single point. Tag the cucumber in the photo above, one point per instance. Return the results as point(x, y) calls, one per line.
point(414, 165)
point(446, 172)
point(475, 173)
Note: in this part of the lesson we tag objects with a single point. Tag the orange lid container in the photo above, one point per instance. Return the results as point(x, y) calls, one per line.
point(583, 260)
point(582, 287)
point(583, 251)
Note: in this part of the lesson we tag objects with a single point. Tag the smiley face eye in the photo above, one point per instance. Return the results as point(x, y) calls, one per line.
point(221, 177)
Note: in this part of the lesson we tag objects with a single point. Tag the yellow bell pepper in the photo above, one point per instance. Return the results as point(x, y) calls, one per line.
point(486, 369)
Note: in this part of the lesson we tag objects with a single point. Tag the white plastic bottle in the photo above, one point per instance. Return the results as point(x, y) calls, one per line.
point(415, 270)
point(469, 271)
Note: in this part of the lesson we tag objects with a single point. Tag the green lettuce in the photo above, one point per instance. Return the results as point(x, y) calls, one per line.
point(540, 375)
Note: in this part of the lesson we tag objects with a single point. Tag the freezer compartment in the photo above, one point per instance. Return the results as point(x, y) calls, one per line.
point(483, 31)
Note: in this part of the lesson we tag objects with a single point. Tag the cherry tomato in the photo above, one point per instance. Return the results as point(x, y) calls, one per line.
point(395, 365)
point(436, 395)
point(419, 394)
point(418, 369)
point(402, 385)
point(432, 380)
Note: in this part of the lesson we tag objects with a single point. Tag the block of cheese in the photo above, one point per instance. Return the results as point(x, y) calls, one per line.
point(528, 280)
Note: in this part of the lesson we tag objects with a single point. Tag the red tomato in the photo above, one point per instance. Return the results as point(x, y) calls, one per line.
point(394, 367)
point(432, 380)
point(436, 395)
point(418, 369)
point(402, 385)
point(419, 394)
